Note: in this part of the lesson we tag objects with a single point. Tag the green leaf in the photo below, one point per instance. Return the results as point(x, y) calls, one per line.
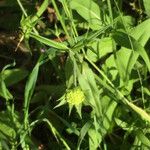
point(69, 72)
point(29, 88)
point(4, 92)
point(124, 125)
point(12, 76)
point(83, 132)
point(49, 42)
point(3, 89)
point(87, 72)
point(142, 32)
point(4, 145)
point(124, 22)
point(56, 133)
point(51, 52)
point(110, 68)
point(140, 135)
point(147, 6)
point(108, 112)
point(40, 11)
point(94, 138)
point(28, 22)
point(85, 87)
point(129, 42)
point(88, 85)
point(141, 112)
point(121, 65)
point(7, 130)
point(99, 48)
point(62, 101)
point(89, 10)
point(30, 85)
point(87, 39)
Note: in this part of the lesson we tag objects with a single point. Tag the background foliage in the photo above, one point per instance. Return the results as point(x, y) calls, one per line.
point(74, 74)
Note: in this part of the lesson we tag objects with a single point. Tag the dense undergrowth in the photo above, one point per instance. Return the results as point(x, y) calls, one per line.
point(74, 74)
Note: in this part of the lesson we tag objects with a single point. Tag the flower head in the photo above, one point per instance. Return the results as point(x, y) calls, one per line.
point(75, 96)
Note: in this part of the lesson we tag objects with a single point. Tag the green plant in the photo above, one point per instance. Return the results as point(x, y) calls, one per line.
point(100, 65)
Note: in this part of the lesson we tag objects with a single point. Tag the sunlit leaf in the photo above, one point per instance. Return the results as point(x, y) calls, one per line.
point(90, 11)
point(142, 32)
point(49, 42)
point(147, 6)
point(143, 138)
point(125, 40)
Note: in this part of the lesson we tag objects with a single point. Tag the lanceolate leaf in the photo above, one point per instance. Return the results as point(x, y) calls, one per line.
point(31, 84)
point(83, 132)
point(3, 89)
point(7, 130)
point(89, 10)
point(49, 42)
point(140, 135)
point(29, 88)
point(108, 115)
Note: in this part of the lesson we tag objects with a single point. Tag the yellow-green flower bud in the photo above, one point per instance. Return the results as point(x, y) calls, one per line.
point(75, 96)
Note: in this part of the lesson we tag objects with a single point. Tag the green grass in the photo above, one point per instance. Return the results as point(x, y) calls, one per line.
point(84, 81)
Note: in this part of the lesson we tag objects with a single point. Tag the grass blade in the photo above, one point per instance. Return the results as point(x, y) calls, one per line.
point(49, 42)
point(83, 132)
point(29, 88)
